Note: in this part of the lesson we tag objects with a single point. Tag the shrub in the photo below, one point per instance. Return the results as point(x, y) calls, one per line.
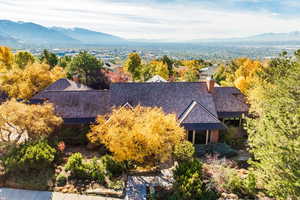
point(225, 177)
point(233, 138)
point(96, 171)
point(242, 186)
point(184, 151)
point(61, 180)
point(113, 168)
point(30, 156)
point(116, 185)
point(221, 149)
point(76, 166)
point(61, 146)
point(93, 170)
point(188, 180)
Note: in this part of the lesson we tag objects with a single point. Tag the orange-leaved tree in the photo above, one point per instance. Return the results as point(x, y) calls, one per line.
point(142, 134)
point(21, 122)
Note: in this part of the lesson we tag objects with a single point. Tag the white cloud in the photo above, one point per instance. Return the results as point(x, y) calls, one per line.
point(176, 21)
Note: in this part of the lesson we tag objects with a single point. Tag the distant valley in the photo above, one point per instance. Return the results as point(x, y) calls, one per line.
point(19, 34)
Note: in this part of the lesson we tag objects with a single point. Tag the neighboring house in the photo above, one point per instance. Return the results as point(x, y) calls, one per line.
point(156, 79)
point(200, 106)
point(207, 72)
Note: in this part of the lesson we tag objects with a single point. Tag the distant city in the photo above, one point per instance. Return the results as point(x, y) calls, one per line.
point(174, 51)
point(62, 41)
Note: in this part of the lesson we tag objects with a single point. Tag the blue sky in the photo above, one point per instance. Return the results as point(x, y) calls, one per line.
point(174, 20)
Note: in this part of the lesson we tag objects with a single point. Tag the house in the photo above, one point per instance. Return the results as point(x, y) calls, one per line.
point(200, 107)
point(156, 78)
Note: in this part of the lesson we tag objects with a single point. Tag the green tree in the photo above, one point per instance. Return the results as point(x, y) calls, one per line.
point(88, 68)
point(188, 181)
point(274, 135)
point(297, 55)
point(49, 58)
point(64, 61)
point(220, 76)
point(133, 65)
point(23, 58)
point(167, 61)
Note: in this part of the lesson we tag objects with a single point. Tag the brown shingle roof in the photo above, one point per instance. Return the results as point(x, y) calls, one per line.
point(229, 99)
point(78, 104)
point(174, 97)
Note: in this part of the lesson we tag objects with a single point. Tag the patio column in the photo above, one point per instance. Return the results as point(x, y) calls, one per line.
point(207, 136)
point(194, 136)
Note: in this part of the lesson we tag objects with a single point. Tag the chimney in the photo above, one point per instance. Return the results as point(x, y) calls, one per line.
point(76, 78)
point(210, 84)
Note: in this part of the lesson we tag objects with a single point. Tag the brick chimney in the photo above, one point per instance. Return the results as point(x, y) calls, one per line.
point(76, 78)
point(210, 84)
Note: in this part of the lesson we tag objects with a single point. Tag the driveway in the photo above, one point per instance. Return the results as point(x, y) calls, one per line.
point(16, 194)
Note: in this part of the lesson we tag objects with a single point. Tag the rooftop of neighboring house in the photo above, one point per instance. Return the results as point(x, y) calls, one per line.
point(157, 78)
point(67, 85)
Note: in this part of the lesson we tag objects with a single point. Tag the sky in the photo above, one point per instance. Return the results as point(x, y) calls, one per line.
point(172, 20)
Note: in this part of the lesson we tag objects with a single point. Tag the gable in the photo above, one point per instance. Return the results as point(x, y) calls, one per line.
point(198, 114)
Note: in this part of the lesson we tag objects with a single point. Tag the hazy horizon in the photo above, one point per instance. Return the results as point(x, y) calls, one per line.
point(176, 20)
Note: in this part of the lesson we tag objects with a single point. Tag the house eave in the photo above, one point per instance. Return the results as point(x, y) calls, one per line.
point(203, 126)
point(230, 114)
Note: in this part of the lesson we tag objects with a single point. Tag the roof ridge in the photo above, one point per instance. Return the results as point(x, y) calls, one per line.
point(184, 115)
point(93, 90)
point(182, 82)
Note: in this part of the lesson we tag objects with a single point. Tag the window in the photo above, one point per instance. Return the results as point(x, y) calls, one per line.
point(201, 137)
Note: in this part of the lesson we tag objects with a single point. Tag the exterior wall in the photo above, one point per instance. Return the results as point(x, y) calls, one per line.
point(214, 136)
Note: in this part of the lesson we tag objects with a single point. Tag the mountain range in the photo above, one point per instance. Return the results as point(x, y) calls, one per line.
point(20, 34)
point(27, 33)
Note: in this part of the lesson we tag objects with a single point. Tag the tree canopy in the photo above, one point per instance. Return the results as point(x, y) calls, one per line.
point(21, 122)
point(274, 133)
point(23, 58)
point(6, 58)
point(49, 58)
point(88, 68)
point(24, 83)
point(241, 73)
point(133, 65)
point(139, 134)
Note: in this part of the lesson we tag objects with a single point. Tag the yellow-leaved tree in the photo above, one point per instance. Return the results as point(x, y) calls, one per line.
point(24, 83)
point(159, 68)
point(6, 58)
point(241, 73)
point(21, 122)
point(142, 134)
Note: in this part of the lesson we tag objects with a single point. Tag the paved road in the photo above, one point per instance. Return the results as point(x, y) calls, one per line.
point(16, 194)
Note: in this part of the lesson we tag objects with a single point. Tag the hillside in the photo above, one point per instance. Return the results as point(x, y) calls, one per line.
point(86, 36)
point(27, 33)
